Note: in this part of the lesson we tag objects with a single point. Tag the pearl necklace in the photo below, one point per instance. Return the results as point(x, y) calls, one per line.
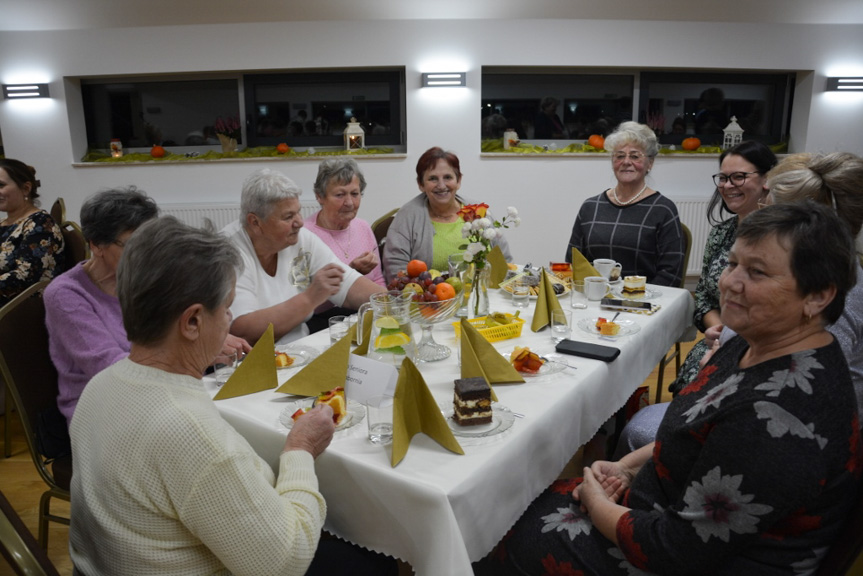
point(631, 200)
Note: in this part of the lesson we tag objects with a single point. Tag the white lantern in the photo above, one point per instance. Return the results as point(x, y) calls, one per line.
point(355, 137)
point(733, 134)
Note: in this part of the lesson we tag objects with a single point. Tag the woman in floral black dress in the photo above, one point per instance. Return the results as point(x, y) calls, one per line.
point(31, 245)
point(757, 461)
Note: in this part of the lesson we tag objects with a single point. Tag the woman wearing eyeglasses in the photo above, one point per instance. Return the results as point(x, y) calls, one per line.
point(632, 223)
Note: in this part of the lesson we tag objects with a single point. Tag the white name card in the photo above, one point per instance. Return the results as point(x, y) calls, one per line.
point(368, 378)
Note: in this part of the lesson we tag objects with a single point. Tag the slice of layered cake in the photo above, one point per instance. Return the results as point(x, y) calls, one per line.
point(472, 402)
point(634, 286)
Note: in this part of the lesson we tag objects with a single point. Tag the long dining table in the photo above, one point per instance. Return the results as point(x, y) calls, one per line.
point(437, 510)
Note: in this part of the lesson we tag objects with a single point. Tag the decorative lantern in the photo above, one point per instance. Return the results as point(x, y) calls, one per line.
point(733, 134)
point(116, 148)
point(355, 137)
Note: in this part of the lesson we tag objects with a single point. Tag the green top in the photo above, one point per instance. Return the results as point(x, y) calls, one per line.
point(447, 240)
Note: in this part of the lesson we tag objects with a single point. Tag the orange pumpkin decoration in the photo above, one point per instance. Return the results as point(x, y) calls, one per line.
point(157, 151)
point(596, 141)
point(283, 148)
point(690, 144)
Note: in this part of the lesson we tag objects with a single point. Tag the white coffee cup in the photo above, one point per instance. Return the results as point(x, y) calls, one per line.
point(608, 268)
point(595, 287)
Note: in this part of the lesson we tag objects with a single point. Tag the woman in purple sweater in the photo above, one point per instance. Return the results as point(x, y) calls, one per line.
point(82, 313)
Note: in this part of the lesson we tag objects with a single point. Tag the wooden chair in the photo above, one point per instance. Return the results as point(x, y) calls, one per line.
point(676, 355)
point(77, 248)
point(19, 547)
point(58, 211)
point(849, 546)
point(380, 227)
point(29, 374)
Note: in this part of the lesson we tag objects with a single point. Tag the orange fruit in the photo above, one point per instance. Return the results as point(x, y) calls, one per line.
point(416, 267)
point(157, 151)
point(690, 144)
point(596, 141)
point(283, 148)
point(445, 291)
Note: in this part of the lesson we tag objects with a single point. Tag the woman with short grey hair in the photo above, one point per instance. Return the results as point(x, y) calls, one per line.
point(288, 272)
point(82, 312)
point(631, 223)
point(162, 483)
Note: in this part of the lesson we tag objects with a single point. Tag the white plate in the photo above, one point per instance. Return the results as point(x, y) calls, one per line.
point(302, 355)
point(355, 414)
point(547, 369)
point(627, 327)
point(501, 421)
point(508, 290)
point(649, 293)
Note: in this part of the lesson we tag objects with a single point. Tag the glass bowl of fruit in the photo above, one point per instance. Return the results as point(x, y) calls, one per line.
point(436, 298)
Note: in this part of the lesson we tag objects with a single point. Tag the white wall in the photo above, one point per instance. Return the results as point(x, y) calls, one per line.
point(548, 191)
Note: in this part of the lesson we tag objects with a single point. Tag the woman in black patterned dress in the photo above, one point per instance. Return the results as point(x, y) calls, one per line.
point(757, 461)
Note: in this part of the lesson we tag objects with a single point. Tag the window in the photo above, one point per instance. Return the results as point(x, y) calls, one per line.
point(313, 108)
point(681, 104)
point(562, 105)
point(144, 112)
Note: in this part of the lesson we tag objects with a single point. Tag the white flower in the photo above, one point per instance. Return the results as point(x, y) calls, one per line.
point(465, 230)
point(482, 223)
point(475, 248)
point(516, 221)
point(567, 519)
point(490, 234)
point(467, 257)
point(511, 211)
point(716, 507)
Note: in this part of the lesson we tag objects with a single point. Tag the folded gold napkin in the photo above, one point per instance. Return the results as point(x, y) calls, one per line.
point(256, 372)
point(498, 267)
point(323, 373)
point(480, 359)
point(363, 348)
point(581, 268)
point(546, 301)
point(415, 411)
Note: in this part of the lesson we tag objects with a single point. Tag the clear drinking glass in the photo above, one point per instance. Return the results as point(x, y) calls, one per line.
point(577, 296)
point(379, 415)
point(561, 322)
point(520, 293)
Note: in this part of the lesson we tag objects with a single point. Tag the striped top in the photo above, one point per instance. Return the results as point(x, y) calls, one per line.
point(645, 237)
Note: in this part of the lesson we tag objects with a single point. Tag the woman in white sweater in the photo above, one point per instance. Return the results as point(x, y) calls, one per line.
point(162, 484)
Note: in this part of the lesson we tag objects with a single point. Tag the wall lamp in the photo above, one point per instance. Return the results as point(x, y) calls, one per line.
point(21, 91)
point(844, 84)
point(440, 79)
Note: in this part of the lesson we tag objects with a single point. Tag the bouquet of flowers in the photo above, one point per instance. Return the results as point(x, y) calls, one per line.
point(480, 232)
point(228, 127)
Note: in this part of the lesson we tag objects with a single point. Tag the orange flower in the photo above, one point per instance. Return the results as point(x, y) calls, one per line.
point(470, 212)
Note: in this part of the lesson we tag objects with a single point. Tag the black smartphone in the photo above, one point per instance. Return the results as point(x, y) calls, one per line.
point(587, 350)
point(619, 304)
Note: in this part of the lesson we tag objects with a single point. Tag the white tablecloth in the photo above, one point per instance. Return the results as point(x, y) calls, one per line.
point(440, 511)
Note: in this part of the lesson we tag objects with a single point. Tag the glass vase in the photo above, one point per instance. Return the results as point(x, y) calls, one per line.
point(477, 303)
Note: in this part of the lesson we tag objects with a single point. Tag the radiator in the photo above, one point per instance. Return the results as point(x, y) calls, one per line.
point(219, 214)
point(693, 213)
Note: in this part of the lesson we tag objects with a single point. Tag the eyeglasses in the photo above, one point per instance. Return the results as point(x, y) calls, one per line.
point(633, 156)
point(736, 178)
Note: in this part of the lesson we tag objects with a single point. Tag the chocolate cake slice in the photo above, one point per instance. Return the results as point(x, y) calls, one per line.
point(472, 402)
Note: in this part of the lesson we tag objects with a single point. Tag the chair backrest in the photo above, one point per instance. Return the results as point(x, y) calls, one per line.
point(380, 227)
point(58, 211)
point(19, 546)
point(687, 233)
point(846, 549)
point(77, 248)
point(29, 374)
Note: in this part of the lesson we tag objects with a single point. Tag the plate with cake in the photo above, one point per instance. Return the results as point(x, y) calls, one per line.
point(532, 365)
point(635, 288)
point(604, 328)
point(294, 356)
point(346, 413)
point(472, 413)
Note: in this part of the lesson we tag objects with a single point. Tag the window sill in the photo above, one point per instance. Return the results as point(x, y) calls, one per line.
point(264, 154)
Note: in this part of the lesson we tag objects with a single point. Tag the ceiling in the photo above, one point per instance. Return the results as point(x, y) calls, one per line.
point(87, 14)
